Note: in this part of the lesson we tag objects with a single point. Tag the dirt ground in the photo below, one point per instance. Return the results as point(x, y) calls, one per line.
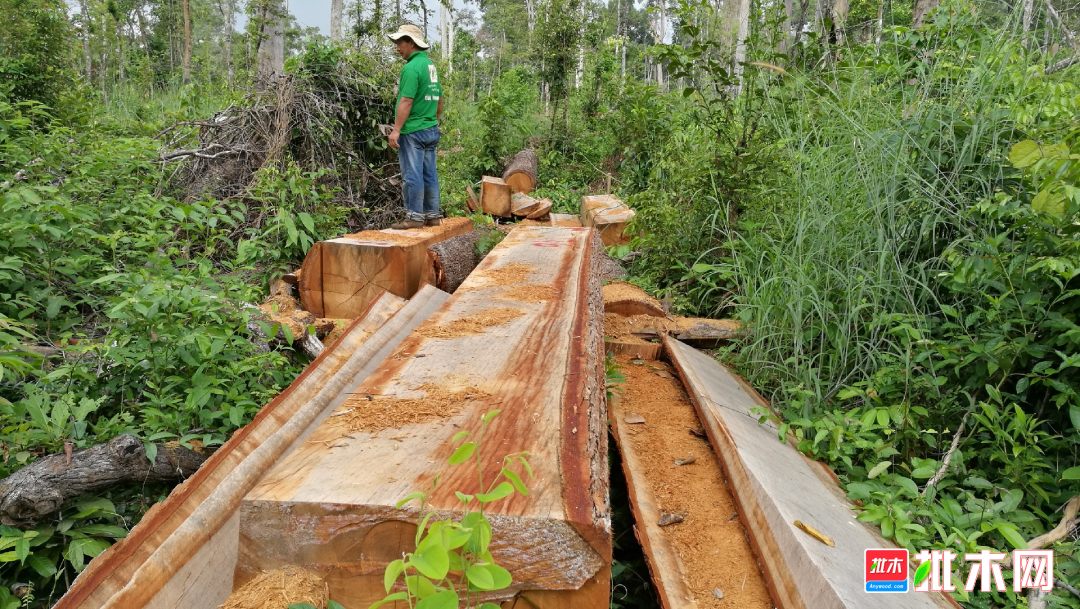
point(719, 566)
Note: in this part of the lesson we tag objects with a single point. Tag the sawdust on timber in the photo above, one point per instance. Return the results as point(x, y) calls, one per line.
point(622, 291)
point(623, 327)
point(280, 588)
point(710, 541)
point(372, 413)
point(388, 237)
point(530, 292)
point(509, 274)
point(477, 323)
point(410, 236)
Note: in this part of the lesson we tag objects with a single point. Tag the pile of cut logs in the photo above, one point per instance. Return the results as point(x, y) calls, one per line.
point(509, 197)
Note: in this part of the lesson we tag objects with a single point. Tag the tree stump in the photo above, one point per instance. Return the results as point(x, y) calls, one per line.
point(521, 171)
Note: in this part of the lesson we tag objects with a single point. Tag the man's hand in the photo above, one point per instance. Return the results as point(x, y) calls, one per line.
point(394, 135)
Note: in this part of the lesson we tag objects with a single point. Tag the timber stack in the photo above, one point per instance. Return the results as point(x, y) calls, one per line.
point(286, 495)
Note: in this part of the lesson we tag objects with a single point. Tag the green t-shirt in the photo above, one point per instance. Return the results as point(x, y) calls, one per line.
point(419, 81)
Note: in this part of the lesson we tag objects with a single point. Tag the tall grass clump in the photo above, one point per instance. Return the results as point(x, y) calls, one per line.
point(883, 155)
point(895, 225)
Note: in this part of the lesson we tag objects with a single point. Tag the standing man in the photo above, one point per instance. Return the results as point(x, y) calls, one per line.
point(416, 128)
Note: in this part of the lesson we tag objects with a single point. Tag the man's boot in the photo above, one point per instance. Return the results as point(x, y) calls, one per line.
point(432, 222)
point(407, 224)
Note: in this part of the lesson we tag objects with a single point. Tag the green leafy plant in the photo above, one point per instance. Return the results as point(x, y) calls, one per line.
point(452, 561)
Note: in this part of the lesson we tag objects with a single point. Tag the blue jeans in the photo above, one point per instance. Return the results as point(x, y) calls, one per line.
point(421, 182)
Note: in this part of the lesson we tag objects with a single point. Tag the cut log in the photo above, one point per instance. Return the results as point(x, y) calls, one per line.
point(704, 332)
point(542, 210)
point(628, 299)
point(340, 278)
point(532, 304)
point(183, 551)
point(522, 205)
point(454, 259)
point(608, 215)
point(286, 323)
point(494, 197)
point(521, 171)
point(41, 488)
point(775, 486)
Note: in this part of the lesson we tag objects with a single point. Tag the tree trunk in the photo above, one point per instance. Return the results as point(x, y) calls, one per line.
point(41, 488)
point(579, 69)
point(657, 26)
point(185, 6)
point(521, 171)
point(337, 10)
point(230, 28)
point(922, 8)
point(839, 21)
point(144, 36)
point(271, 53)
point(800, 25)
point(785, 29)
point(121, 53)
point(742, 17)
point(1029, 13)
point(1065, 31)
point(880, 25)
point(87, 56)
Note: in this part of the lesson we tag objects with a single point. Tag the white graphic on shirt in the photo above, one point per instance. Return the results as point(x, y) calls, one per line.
point(432, 74)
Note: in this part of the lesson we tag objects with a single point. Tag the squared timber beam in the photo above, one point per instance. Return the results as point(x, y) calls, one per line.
point(522, 334)
point(341, 277)
point(774, 485)
point(183, 552)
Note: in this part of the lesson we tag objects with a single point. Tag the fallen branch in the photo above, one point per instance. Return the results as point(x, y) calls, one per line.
point(202, 153)
point(43, 487)
point(1069, 522)
point(1061, 65)
point(1069, 36)
point(948, 456)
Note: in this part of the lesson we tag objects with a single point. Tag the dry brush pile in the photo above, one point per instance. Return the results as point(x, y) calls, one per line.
point(323, 115)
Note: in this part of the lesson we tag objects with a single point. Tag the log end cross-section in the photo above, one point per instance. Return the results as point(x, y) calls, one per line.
point(522, 334)
point(340, 278)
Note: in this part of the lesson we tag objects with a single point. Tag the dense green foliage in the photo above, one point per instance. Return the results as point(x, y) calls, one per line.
point(143, 295)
